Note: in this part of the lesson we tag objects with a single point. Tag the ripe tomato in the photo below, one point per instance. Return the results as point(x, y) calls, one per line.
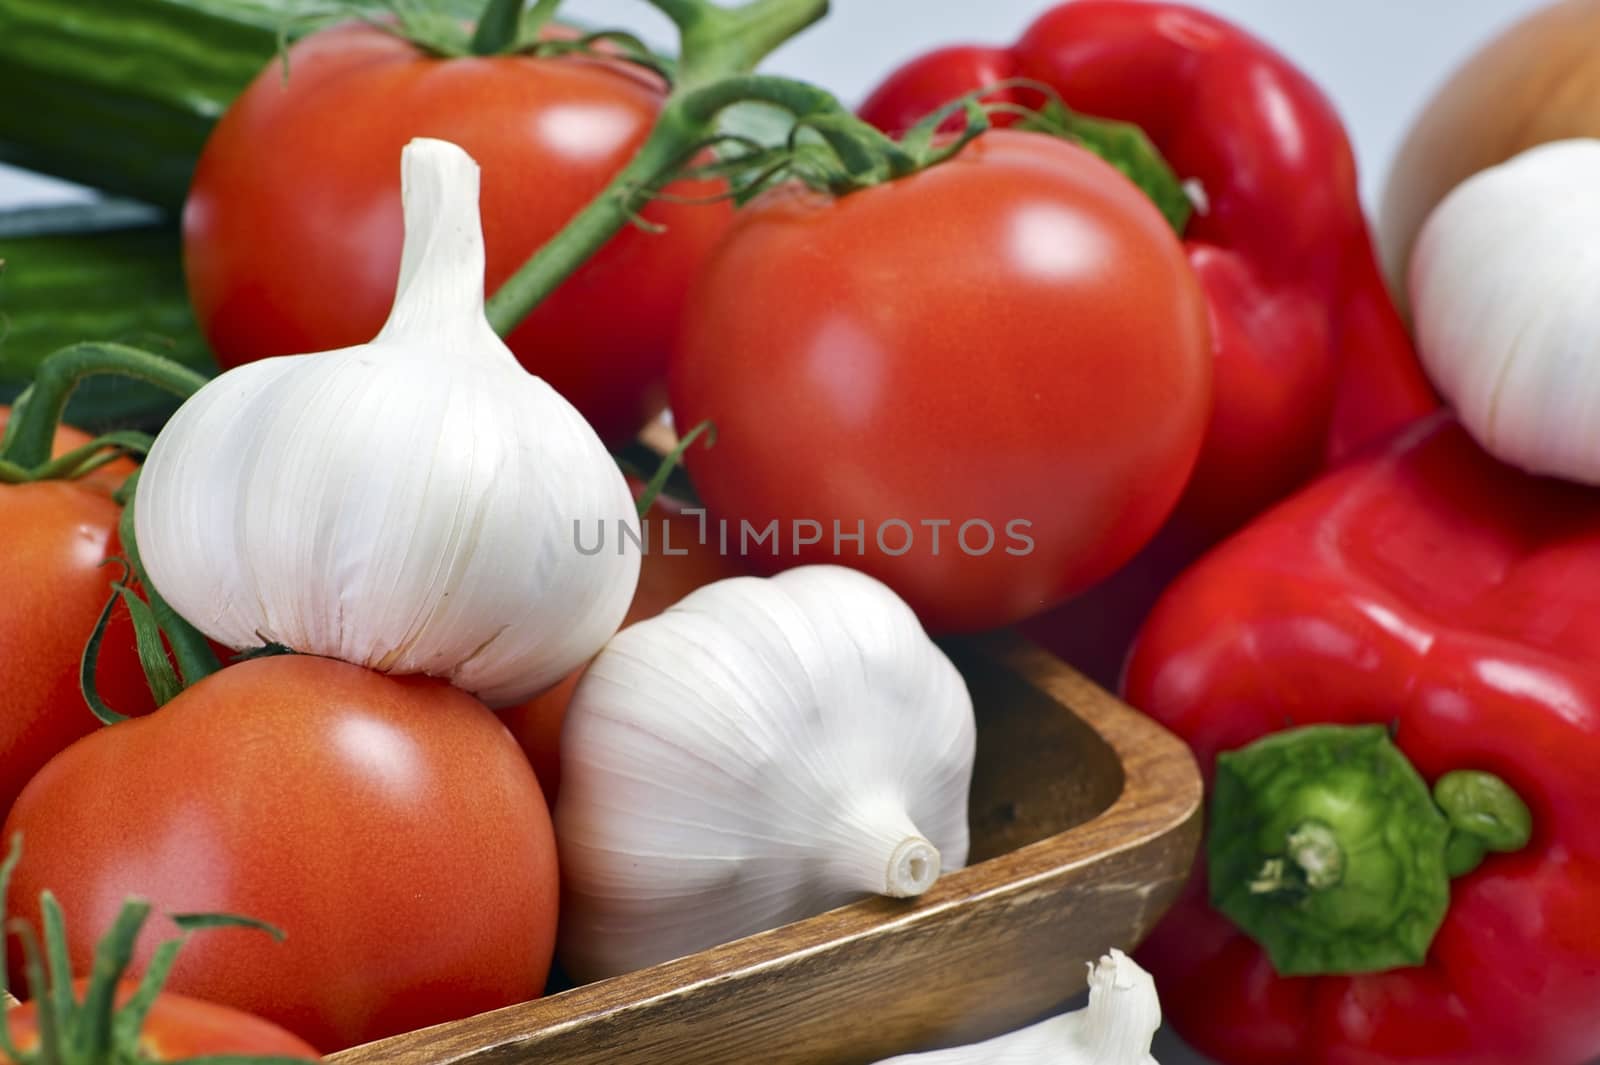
point(665, 576)
point(180, 1027)
point(389, 826)
point(292, 229)
point(1010, 343)
point(56, 535)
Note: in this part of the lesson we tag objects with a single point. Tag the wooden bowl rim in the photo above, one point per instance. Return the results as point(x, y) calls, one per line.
point(1154, 801)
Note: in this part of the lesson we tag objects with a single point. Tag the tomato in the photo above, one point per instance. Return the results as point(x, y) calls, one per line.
point(674, 564)
point(180, 1027)
point(53, 587)
point(997, 370)
point(292, 229)
point(389, 826)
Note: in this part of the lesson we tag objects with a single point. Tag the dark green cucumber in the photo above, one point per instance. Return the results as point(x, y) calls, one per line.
point(121, 94)
point(98, 271)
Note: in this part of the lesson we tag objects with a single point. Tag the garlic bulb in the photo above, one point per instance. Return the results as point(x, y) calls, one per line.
point(1503, 283)
point(761, 752)
point(413, 505)
point(1115, 1028)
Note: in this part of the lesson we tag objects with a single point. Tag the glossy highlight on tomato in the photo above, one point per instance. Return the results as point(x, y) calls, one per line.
point(1012, 336)
point(292, 228)
point(390, 827)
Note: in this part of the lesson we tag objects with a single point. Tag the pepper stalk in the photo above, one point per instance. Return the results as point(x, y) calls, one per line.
point(1328, 848)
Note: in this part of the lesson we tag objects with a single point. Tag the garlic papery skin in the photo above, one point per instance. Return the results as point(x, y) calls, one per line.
point(764, 751)
point(1503, 281)
point(413, 505)
point(1115, 1028)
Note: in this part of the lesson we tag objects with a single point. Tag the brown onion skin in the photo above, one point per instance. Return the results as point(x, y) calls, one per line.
point(1536, 82)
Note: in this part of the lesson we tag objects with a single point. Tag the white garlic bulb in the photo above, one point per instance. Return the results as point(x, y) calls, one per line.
point(761, 752)
point(1115, 1028)
point(1503, 285)
point(409, 505)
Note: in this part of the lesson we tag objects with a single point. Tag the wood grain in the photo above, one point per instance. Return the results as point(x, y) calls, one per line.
point(1085, 818)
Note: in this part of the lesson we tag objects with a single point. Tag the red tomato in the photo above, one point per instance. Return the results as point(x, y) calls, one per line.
point(389, 826)
point(1010, 343)
point(663, 580)
point(292, 230)
point(180, 1027)
point(52, 589)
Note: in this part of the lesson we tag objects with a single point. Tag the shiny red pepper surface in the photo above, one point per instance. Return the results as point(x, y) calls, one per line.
point(1433, 590)
point(1312, 361)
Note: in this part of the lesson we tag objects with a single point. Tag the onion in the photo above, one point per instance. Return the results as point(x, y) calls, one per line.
point(1539, 81)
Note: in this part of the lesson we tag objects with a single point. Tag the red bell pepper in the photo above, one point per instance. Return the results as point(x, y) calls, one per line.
point(1312, 360)
point(1453, 603)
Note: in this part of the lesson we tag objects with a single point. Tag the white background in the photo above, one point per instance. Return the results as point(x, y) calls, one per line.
point(1377, 59)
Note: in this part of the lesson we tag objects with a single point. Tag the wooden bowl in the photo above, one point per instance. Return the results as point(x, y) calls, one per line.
point(1085, 818)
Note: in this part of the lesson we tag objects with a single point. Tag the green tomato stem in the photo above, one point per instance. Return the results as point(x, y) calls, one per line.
point(30, 434)
point(533, 23)
point(716, 44)
point(497, 27)
point(56, 957)
point(8, 866)
point(716, 41)
point(1326, 846)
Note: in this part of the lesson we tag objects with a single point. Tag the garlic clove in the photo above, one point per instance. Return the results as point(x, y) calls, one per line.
point(1501, 282)
point(761, 752)
point(410, 505)
point(1115, 1028)
point(1123, 1013)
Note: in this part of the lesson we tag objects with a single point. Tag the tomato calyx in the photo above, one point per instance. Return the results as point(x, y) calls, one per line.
point(820, 141)
point(1122, 144)
point(832, 151)
point(96, 1030)
point(25, 446)
point(156, 627)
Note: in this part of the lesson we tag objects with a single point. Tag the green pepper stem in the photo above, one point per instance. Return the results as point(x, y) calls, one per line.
point(31, 433)
point(717, 43)
point(1313, 860)
point(1328, 848)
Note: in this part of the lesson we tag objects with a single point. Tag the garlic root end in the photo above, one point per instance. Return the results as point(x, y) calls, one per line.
point(913, 867)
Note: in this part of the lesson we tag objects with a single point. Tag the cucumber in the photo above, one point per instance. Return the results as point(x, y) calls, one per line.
point(98, 271)
point(121, 94)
